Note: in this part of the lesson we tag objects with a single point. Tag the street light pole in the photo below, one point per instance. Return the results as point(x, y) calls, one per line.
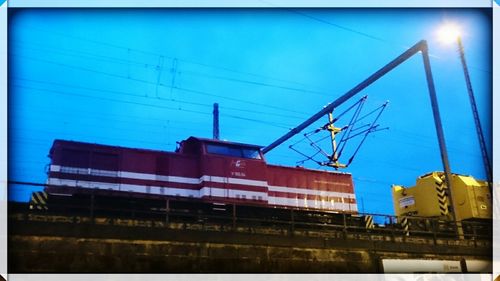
point(480, 136)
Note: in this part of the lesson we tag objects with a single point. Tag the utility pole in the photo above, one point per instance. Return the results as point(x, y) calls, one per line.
point(216, 121)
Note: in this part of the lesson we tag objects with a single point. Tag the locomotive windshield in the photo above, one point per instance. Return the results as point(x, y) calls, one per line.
point(234, 151)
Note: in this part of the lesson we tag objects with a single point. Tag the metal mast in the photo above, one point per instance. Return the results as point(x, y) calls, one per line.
point(479, 130)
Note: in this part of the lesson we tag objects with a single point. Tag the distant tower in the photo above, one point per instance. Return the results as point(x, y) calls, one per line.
point(216, 121)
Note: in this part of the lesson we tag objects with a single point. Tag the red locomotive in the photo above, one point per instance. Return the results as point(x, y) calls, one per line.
point(210, 170)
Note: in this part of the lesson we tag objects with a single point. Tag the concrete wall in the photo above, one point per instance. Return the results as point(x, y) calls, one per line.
point(35, 247)
point(45, 254)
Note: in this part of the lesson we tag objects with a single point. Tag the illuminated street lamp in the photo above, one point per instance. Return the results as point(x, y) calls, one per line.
point(447, 34)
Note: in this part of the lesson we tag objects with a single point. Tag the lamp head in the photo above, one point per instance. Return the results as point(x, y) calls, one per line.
point(448, 33)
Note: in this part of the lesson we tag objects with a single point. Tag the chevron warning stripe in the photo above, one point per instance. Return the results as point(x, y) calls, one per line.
point(369, 222)
point(405, 225)
point(442, 194)
point(39, 200)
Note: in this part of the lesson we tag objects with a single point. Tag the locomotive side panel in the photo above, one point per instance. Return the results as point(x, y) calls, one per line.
point(139, 162)
point(298, 187)
point(178, 175)
point(120, 169)
point(159, 173)
point(83, 165)
point(213, 178)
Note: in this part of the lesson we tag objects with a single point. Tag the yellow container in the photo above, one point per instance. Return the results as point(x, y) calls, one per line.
point(429, 197)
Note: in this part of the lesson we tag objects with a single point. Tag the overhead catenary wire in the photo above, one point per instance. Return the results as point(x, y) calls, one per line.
point(165, 123)
point(124, 127)
point(43, 48)
point(156, 54)
point(275, 124)
point(125, 118)
point(143, 96)
point(295, 11)
point(208, 65)
point(420, 145)
point(93, 136)
point(346, 135)
point(256, 83)
point(52, 134)
point(162, 85)
point(370, 130)
point(159, 68)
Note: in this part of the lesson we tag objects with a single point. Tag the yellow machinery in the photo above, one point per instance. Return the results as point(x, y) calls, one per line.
point(429, 198)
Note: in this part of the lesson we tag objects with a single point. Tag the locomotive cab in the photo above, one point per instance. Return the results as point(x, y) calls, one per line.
point(202, 147)
point(228, 164)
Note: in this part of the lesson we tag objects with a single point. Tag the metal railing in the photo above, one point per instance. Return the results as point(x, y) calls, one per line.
point(422, 230)
point(199, 215)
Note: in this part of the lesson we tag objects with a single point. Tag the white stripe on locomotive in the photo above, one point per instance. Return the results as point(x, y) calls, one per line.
point(322, 203)
point(301, 203)
point(323, 193)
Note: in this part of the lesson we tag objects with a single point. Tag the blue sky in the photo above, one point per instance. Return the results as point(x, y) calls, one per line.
point(148, 78)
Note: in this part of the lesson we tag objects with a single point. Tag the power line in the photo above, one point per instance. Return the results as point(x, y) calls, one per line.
point(255, 83)
point(83, 54)
point(194, 73)
point(99, 116)
point(373, 181)
point(367, 35)
point(110, 99)
point(238, 100)
point(455, 143)
point(164, 123)
point(280, 125)
point(420, 145)
point(165, 99)
point(83, 69)
point(162, 85)
point(91, 136)
point(337, 25)
point(94, 125)
point(127, 128)
point(168, 56)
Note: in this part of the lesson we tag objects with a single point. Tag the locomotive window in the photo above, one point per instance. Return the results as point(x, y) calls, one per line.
point(75, 158)
point(233, 151)
point(251, 153)
point(217, 149)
